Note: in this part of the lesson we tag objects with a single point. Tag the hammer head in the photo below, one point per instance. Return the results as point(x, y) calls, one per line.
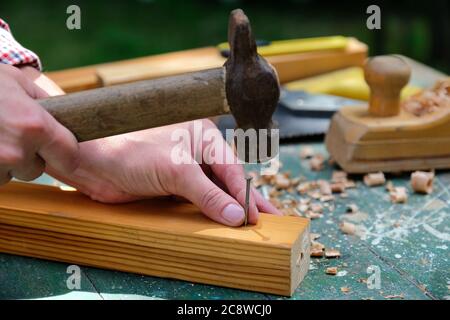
point(252, 86)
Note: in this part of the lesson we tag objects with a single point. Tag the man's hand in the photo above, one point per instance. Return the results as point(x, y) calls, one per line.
point(30, 138)
point(140, 165)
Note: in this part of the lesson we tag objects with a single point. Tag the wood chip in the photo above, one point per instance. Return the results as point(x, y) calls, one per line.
point(374, 179)
point(352, 208)
point(345, 290)
point(331, 270)
point(398, 195)
point(332, 253)
point(349, 184)
point(337, 187)
point(289, 212)
point(281, 181)
point(422, 182)
point(274, 192)
point(339, 176)
point(348, 228)
point(306, 152)
point(326, 198)
point(316, 162)
point(325, 188)
point(314, 194)
point(303, 207)
point(389, 186)
point(313, 215)
point(317, 249)
point(316, 207)
point(303, 187)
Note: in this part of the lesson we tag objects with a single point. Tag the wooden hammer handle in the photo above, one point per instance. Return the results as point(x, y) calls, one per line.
point(140, 105)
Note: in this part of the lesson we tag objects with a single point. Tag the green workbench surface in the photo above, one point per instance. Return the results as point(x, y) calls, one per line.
point(407, 242)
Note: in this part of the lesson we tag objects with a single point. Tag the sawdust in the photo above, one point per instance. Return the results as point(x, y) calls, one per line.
point(430, 100)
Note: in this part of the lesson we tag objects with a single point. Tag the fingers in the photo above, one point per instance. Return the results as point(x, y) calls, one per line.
point(265, 205)
point(212, 201)
point(60, 148)
point(233, 177)
point(5, 177)
point(29, 169)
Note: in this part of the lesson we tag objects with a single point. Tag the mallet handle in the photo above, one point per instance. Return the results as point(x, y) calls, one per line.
point(140, 105)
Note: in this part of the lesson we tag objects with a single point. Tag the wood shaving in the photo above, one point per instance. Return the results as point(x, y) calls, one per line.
point(317, 249)
point(422, 182)
point(352, 208)
point(281, 181)
point(326, 198)
point(306, 152)
point(389, 186)
point(349, 184)
point(374, 179)
point(274, 192)
point(395, 296)
point(339, 176)
point(316, 162)
point(289, 211)
point(316, 207)
point(303, 187)
point(398, 195)
point(303, 208)
point(345, 290)
point(337, 187)
point(348, 228)
point(430, 100)
point(325, 188)
point(315, 195)
point(331, 270)
point(332, 253)
point(313, 215)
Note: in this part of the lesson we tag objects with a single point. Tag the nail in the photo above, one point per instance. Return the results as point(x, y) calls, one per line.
point(233, 213)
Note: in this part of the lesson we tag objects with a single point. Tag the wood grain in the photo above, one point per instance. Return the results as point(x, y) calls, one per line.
point(154, 237)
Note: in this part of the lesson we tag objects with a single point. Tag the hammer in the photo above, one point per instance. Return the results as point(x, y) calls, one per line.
point(247, 86)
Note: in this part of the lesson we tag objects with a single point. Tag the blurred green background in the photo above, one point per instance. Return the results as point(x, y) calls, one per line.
point(113, 30)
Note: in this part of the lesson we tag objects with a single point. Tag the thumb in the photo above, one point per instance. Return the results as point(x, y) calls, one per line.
point(212, 201)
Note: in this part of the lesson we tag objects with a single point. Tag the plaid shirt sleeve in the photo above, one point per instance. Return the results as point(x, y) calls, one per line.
point(12, 53)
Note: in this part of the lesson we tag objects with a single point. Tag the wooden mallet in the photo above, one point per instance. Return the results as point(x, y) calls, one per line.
point(247, 86)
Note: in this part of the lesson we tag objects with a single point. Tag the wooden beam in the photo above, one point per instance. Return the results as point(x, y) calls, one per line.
point(155, 237)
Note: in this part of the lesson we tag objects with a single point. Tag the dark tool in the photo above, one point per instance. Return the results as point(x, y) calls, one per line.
point(300, 113)
point(246, 85)
point(248, 180)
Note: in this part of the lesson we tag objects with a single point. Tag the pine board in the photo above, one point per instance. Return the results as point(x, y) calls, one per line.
point(156, 237)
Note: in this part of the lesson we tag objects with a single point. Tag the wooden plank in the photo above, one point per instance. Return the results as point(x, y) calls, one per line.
point(289, 66)
point(154, 237)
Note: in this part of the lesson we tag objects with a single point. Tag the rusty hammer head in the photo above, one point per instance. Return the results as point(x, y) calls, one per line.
point(252, 85)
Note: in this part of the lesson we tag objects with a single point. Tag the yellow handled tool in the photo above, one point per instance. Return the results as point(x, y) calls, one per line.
point(272, 48)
